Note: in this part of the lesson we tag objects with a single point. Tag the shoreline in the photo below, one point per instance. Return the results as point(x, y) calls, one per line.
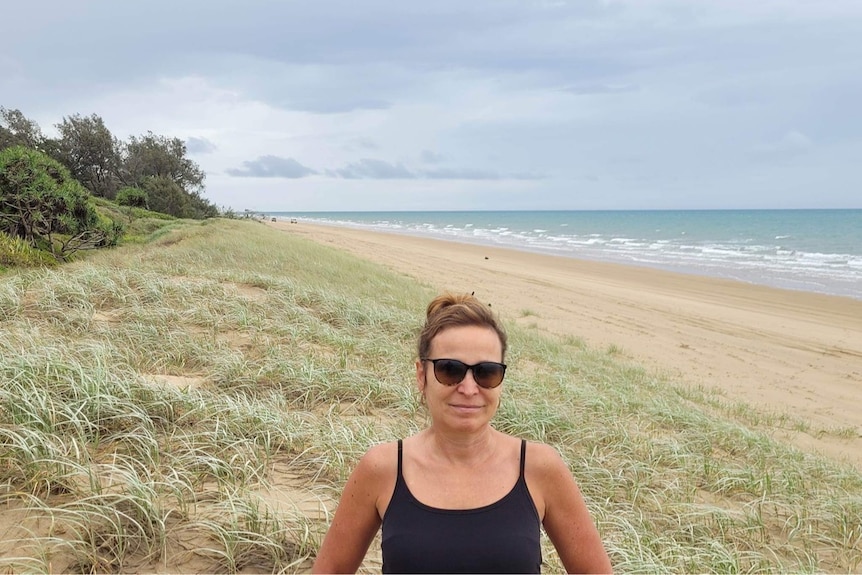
point(737, 253)
point(782, 351)
point(659, 267)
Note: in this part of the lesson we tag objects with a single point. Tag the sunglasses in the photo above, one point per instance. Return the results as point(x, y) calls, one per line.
point(487, 374)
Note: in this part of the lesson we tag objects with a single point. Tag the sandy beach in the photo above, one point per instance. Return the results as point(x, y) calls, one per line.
point(781, 351)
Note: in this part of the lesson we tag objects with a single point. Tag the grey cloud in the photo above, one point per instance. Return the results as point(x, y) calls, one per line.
point(709, 81)
point(377, 53)
point(200, 146)
point(430, 157)
point(460, 174)
point(360, 144)
point(793, 143)
point(587, 88)
point(475, 174)
point(731, 96)
point(330, 104)
point(526, 176)
point(411, 37)
point(429, 35)
point(318, 88)
point(368, 168)
point(271, 167)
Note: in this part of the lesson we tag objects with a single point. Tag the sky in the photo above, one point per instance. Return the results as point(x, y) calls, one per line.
point(344, 105)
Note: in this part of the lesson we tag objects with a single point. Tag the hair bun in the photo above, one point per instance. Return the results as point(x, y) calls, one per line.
point(452, 310)
point(448, 299)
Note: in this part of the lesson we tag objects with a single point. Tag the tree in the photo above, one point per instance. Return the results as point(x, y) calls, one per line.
point(153, 156)
point(103, 164)
point(133, 197)
point(173, 182)
point(42, 204)
point(167, 197)
point(91, 153)
point(17, 130)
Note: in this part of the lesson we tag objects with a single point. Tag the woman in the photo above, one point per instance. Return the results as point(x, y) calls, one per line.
point(460, 496)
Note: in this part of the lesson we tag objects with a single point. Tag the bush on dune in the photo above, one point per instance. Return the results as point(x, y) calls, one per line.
point(16, 253)
point(43, 206)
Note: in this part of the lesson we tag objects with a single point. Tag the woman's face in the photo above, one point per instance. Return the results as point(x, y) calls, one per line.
point(465, 406)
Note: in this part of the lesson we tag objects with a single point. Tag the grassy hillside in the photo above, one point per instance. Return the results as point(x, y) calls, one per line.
point(139, 226)
point(192, 402)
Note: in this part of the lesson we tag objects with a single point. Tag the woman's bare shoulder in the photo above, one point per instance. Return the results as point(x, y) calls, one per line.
point(545, 467)
point(380, 461)
point(543, 457)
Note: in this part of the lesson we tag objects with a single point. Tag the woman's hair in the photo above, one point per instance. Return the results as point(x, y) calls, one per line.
point(450, 310)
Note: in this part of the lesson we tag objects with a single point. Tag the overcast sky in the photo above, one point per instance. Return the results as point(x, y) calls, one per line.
point(465, 104)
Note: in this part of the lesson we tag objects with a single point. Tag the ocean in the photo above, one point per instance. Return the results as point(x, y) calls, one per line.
point(809, 250)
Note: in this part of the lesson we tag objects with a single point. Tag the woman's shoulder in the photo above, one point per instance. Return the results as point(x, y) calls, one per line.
point(543, 460)
point(377, 472)
point(380, 458)
point(548, 477)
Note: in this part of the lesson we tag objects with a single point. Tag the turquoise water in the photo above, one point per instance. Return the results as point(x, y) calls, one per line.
point(810, 250)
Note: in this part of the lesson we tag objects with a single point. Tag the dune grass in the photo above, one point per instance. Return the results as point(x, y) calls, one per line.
point(194, 403)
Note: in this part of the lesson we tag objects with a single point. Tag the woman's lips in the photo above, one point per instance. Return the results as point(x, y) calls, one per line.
point(466, 408)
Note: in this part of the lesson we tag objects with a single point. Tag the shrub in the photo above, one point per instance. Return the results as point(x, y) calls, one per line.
point(41, 204)
point(133, 197)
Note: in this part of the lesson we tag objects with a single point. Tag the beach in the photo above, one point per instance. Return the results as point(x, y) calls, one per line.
point(782, 352)
point(197, 402)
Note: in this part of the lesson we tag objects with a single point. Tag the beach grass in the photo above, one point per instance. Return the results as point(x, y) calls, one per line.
point(193, 402)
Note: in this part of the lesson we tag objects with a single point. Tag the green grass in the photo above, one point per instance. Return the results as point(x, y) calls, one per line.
point(140, 227)
point(16, 253)
point(175, 404)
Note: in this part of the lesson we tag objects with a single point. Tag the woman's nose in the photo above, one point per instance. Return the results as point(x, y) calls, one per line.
point(468, 385)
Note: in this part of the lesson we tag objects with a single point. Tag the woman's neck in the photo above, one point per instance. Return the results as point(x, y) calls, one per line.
point(462, 447)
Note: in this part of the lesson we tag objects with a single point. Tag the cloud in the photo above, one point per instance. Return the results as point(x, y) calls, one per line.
point(360, 144)
point(588, 88)
point(526, 176)
point(271, 167)
point(430, 157)
point(368, 168)
point(200, 146)
point(372, 169)
point(336, 105)
point(460, 174)
point(466, 97)
point(475, 174)
point(791, 144)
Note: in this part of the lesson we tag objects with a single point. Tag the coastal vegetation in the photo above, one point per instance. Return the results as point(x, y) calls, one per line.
point(60, 196)
point(158, 167)
point(193, 400)
point(45, 207)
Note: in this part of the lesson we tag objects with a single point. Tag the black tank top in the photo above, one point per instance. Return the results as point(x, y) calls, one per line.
point(502, 537)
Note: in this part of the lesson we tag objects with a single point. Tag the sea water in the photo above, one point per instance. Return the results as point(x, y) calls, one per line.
point(810, 250)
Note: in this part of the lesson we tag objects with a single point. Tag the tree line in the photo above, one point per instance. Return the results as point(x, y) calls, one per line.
point(46, 183)
point(156, 167)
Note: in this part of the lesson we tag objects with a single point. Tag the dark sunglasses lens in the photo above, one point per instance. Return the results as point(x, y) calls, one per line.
point(489, 374)
point(450, 371)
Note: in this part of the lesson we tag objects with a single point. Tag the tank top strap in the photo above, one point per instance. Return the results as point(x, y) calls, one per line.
point(523, 456)
point(400, 456)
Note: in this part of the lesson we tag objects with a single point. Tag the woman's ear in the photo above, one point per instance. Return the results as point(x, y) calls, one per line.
point(420, 376)
point(421, 380)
